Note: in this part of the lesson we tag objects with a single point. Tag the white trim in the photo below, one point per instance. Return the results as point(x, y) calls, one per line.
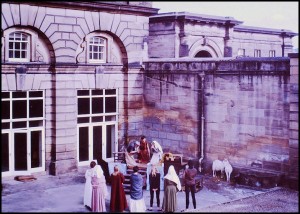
point(103, 124)
point(28, 130)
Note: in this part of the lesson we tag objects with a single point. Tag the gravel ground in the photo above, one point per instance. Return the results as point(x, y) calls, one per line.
point(281, 200)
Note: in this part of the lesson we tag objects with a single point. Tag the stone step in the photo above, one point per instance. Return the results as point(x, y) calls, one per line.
point(141, 171)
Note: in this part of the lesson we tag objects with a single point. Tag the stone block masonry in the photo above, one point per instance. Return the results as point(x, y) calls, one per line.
point(246, 113)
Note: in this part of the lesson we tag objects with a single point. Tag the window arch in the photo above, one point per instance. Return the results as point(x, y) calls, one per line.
point(23, 44)
point(99, 48)
point(202, 54)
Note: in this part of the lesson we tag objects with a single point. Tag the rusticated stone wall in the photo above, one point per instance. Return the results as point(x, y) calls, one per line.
point(247, 120)
point(294, 121)
point(246, 110)
point(171, 111)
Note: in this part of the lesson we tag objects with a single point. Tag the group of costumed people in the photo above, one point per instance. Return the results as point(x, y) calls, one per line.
point(138, 153)
point(96, 189)
point(171, 181)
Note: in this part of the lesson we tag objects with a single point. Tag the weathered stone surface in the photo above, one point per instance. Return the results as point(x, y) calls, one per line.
point(40, 16)
point(15, 12)
point(7, 15)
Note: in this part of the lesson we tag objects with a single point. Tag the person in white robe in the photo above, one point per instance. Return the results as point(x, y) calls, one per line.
point(87, 197)
point(99, 190)
point(157, 153)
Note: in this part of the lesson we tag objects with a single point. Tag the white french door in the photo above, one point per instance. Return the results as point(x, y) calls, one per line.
point(96, 141)
point(23, 152)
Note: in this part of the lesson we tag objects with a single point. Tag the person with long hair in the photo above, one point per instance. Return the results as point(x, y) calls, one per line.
point(118, 202)
point(171, 186)
point(154, 180)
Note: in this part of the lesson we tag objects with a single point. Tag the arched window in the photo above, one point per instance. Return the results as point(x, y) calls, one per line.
point(201, 54)
point(97, 49)
point(23, 44)
point(18, 47)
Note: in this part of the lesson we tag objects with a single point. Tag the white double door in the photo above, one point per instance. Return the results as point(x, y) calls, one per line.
point(23, 151)
point(96, 141)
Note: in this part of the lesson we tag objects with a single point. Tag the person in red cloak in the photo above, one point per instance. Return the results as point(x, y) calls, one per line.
point(144, 151)
point(118, 202)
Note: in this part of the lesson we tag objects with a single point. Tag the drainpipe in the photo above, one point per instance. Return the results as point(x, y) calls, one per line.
point(202, 75)
point(283, 34)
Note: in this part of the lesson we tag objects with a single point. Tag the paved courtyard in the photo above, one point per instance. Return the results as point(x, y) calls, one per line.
point(65, 194)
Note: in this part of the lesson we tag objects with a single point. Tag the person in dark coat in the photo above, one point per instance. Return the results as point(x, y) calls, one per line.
point(118, 202)
point(154, 180)
point(104, 166)
point(190, 183)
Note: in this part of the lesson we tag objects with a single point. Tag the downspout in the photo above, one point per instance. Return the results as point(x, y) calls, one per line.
point(201, 98)
point(52, 165)
point(283, 34)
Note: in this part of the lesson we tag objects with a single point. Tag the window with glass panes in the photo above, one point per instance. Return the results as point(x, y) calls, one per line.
point(257, 53)
point(23, 130)
point(18, 47)
point(22, 109)
point(97, 124)
point(272, 53)
point(97, 49)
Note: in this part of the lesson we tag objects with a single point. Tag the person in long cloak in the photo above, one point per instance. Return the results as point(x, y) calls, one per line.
point(171, 186)
point(99, 191)
point(157, 153)
point(118, 202)
point(137, 202)
point(144, 151)
point(87, 197)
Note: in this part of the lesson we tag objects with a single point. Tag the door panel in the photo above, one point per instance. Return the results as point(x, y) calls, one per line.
point(36, 149)
point(5, 152)
point(110, 141)
point(20, 151)
point(83, 143)
point(97, 142)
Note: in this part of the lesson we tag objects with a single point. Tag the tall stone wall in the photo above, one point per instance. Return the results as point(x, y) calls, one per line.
point(246, 118)
point(170, 113)
point(247, 111)
point(294, 121)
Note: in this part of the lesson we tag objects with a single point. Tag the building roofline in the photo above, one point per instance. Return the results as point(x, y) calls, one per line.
point(194, 17)
point(92, 6)
point(251, 29)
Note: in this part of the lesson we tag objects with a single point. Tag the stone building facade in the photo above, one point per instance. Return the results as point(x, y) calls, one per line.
point(182, 34)
point(81, 79)
point(71, 87)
